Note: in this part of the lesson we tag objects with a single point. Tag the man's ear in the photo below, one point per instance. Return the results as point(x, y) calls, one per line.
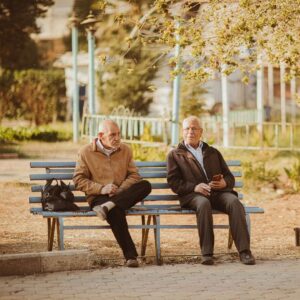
point(100, 135)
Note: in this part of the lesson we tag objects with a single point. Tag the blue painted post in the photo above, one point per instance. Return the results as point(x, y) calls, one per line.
point(91, 48)
point(225, 106)
point(282, 97)
point(260, 98)
point(293, 99)
point(75, 112)
point(176, 94)
point(89, 24)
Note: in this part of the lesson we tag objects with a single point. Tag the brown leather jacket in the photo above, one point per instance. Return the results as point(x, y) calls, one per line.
point(94, 170)
point(185, 172)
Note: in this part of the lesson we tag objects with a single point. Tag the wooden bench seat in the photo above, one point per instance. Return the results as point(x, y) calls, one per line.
point(160, 202)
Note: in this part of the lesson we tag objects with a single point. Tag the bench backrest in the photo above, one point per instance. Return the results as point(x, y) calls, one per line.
point(155, 172)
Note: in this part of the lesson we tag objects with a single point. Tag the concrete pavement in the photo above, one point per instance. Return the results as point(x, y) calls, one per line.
point(266, 280)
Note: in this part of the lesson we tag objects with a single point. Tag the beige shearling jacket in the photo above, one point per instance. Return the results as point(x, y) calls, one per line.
point(94, 169)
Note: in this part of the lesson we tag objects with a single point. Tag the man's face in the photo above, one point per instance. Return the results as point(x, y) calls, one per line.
point(192, 132)
point(110, 137)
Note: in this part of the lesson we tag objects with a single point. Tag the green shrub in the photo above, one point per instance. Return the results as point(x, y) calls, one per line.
point(259, 172)
point(142, 153)
point(10, 135)
point(293, 174)
point(34, 95)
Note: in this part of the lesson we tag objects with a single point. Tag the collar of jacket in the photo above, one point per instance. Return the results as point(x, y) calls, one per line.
point(205, 148)
point(184, 151)
point(95, 148)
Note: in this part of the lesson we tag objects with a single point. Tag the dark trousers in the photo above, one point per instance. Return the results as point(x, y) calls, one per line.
point(116, 216)
point(225, 202)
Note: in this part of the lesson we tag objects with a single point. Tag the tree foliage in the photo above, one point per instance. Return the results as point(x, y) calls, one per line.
point(192, 93)
point(17, 22)
point(220, 35)
point(126, 70)
point(127, 82)
point(6, 93)
point(35, 95)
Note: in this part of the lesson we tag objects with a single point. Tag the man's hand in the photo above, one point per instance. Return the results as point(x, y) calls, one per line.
point(109, 189)
point(218, 184)
point(203, 189)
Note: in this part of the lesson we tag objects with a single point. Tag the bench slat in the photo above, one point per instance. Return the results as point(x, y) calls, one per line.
point(144, 210)
point(71, 164)
point(155, 186)
point(142, 171)
point(52, 164)
point(160, 197)
point(50, 176)
point(65, 176)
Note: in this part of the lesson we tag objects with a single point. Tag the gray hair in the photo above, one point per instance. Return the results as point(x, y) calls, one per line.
point(106, 123)
point(190, 119)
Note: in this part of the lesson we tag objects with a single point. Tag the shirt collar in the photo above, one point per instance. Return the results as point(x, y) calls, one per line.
point(192, 148)
point(104, 150)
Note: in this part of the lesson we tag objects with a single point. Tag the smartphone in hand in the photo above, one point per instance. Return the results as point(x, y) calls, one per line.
point(217, 177)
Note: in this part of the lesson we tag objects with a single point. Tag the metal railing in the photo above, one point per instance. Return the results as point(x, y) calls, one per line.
point(271, 135)
point(157, 131)
point(234, 117)
point(133, 129)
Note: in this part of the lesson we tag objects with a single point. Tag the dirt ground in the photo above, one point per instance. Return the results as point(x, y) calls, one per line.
point(272, 233)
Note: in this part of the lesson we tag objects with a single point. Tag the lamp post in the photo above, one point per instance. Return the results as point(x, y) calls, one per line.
point(89, 24)
point(75, 93)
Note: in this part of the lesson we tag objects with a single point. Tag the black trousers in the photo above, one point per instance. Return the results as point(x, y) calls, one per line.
point(116, 216)
point(225, 202)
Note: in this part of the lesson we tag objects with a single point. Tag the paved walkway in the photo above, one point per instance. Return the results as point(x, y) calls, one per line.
point(266, 280)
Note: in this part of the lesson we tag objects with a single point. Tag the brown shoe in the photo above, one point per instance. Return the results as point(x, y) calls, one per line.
point(207, 260)
point(247, 258)
point(132, 263)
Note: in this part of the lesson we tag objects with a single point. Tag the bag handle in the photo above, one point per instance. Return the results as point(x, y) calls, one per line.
point(48, 183)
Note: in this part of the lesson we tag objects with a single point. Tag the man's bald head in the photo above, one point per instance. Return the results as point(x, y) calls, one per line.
point(107, 125)
point(109, 134)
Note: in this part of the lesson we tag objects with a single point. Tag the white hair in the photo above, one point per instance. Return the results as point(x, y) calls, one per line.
point(105, 123)
point(190, 119)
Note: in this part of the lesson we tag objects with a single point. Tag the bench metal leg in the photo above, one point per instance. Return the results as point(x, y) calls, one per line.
point(145, 234)
point(60, 233)
point(49, 232)
point(248, 224)
point(230, 239)
point(156, 222)
point(51, 229)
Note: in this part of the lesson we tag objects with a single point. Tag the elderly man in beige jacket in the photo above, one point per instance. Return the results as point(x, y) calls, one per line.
point(106, 173)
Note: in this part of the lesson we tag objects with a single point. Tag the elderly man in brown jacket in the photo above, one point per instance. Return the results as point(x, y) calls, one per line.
point(198, 173)
point(106, 172)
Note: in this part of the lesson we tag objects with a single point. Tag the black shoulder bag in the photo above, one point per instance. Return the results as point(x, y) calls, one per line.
point(58, 197)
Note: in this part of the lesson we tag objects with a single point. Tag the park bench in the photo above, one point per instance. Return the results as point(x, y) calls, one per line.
point(161, 202)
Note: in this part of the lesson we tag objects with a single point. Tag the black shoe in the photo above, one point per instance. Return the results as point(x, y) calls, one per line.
point(247, 258)
point(207, 260)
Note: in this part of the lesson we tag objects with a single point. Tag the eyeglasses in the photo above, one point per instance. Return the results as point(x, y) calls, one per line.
point(191, 129)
